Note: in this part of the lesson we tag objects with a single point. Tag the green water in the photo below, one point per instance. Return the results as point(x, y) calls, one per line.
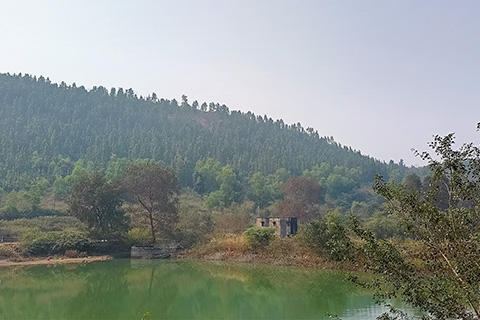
point(126, 289)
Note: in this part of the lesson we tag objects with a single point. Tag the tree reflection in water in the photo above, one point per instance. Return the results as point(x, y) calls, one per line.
point(124, 289)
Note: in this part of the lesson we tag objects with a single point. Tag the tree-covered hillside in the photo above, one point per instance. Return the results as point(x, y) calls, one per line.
point(45, 127)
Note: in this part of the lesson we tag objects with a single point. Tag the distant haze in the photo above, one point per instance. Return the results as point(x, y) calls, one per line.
point(380, 76)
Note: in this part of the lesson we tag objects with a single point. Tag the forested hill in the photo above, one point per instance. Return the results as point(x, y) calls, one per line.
point(44, 125)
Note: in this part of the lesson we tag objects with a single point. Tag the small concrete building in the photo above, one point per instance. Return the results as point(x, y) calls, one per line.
point(284, 227)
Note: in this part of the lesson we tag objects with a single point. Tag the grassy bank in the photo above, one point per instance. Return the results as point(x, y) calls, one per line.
point(285, 252)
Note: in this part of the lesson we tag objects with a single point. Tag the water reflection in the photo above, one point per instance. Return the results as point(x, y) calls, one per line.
point(124, 289)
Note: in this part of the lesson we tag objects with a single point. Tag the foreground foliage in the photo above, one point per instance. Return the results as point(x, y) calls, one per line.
point(329, 237)
point(443, 277)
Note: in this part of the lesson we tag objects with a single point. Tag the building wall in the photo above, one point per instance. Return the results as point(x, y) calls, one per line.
point(284, 227)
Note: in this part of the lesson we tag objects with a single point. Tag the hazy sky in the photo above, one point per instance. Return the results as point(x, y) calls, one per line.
point(380, 76)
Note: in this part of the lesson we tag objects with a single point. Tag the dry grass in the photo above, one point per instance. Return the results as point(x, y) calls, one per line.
point(10, 250)
point(285, 252)
point(231, 244)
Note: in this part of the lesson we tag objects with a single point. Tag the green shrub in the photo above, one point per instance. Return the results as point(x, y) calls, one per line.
point(384, 226)
point(195, 224)
point(139, 236)
point(46, 224)
point(329, 237)
point(7, 214)
point(55, 242)
point(315, 235)
point(258, 236)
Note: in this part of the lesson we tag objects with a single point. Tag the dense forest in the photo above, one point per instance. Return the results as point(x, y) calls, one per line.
point(46, 127)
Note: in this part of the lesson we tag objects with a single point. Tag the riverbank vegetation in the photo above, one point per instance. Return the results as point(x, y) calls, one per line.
point(442, 276)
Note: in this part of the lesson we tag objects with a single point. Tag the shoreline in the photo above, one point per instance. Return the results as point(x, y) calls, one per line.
point(242, 258)
point(306, 262)
point(50, 261)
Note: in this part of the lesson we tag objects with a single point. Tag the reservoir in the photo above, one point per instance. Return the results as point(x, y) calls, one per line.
point(180, 289)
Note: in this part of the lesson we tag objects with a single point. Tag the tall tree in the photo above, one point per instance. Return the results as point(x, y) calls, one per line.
point(63, 185)
point(412, 182)
point(155, 188)
point(229, 190)
point(99, 205)
point(301, 197)
point(260, 191)
point(302, 189)
point(206, 174)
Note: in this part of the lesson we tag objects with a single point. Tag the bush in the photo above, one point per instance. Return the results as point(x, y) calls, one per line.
point(195, 223)
point(139, 237)
point(45, 224)
point(329, 237)
point(56, 242)
point(234, 219)
point(315, 235)
point(258, 236)
point(384, 226)
point(29, 214)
